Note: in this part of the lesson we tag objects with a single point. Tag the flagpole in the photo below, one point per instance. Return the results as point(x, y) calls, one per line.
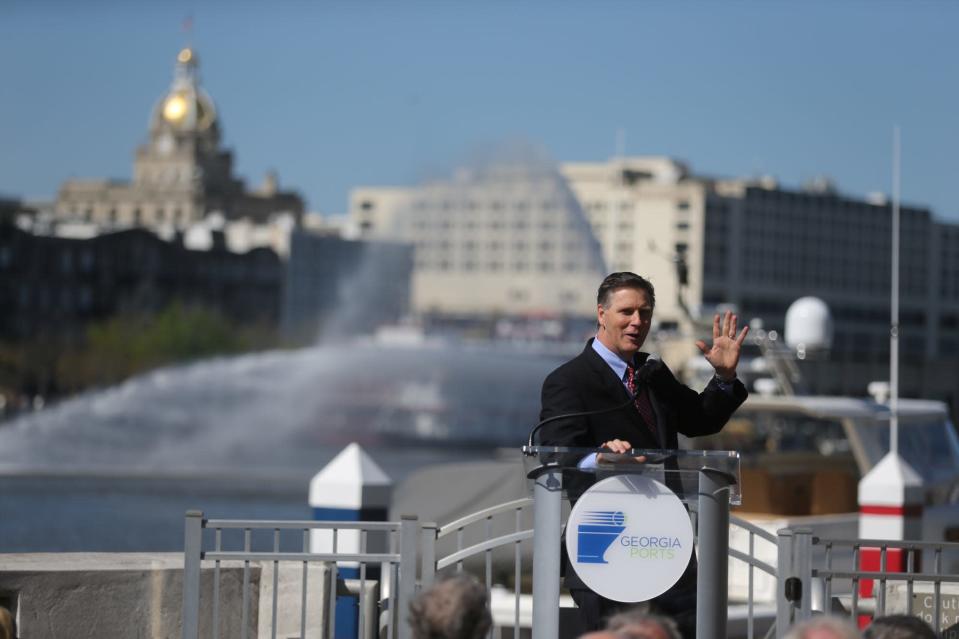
point(894, 329)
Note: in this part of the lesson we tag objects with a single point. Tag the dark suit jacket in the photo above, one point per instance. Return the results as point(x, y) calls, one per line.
point(587, 383)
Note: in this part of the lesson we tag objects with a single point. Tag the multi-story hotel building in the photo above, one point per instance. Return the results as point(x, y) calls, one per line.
point(501, 239)
point(704, 242)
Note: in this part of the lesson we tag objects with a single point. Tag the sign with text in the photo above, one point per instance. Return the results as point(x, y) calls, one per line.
point(924, 607)
point(629, 538)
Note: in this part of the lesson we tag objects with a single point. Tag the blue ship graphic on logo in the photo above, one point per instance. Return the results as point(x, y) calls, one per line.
point(597, 531)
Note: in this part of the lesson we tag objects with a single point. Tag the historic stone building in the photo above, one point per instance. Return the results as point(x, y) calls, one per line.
point(180, 174)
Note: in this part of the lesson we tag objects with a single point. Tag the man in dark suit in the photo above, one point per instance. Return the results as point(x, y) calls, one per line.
point(603, 377)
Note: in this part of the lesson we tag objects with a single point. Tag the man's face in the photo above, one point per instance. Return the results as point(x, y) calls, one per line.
point(624, 325)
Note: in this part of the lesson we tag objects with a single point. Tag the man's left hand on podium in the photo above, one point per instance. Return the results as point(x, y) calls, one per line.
point(617, 452)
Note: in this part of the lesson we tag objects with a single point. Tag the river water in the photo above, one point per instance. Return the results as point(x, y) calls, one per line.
point(240, 437)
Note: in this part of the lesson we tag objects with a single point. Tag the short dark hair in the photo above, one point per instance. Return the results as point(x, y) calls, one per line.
point(899, 627)
point(454, 607)
point(624, 279)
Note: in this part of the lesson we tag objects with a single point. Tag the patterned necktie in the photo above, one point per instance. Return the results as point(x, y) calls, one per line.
point(643, 405)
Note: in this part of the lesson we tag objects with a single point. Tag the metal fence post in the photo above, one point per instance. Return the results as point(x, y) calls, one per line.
point(192, 547)
point(428, 555)
point(712, 584)
point(406, 590)
point(547, 522)
point(802, 567)
point(784, 570)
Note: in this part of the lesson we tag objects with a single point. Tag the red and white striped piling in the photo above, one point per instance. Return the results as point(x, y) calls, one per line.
point(890, 507)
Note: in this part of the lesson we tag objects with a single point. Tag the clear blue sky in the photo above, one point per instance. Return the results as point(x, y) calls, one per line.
point(339, 94)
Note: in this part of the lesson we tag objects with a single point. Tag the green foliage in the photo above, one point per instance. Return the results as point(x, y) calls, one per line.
point(124, 345)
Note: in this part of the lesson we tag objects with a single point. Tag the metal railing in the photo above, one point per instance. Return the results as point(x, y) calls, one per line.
point(458, 542)
point(752, 563)
point(811, 574)
point(398, 567)
point(808, 568)
point(489, 543)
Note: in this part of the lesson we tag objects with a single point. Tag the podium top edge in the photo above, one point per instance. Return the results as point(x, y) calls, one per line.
point(649, 452)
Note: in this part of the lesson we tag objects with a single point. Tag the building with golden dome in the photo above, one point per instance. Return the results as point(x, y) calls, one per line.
point(181, 174)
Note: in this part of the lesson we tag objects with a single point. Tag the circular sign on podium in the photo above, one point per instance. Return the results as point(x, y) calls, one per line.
point(629, 538)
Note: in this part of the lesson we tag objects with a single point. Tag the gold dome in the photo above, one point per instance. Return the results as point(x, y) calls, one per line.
point(185, 107)
point(175, 107)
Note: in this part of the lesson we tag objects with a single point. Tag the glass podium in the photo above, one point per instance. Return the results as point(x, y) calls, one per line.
point(706, 480)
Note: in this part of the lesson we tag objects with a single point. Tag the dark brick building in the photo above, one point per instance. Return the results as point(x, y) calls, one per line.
point(52, 284)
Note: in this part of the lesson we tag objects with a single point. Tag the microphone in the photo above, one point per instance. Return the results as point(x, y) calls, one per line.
point(641, 375)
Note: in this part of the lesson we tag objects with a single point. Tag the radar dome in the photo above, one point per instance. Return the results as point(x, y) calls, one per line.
point(808, 325)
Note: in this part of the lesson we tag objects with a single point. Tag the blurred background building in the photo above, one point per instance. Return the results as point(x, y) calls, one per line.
point(181, 174)
point(507, 238)
point(328, 275)
point(706, 244)
point(55, 285)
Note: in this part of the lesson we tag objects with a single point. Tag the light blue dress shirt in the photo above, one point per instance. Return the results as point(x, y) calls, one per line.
point(616, 363)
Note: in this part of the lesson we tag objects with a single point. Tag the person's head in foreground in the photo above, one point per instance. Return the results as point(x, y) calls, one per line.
point(7, 627)
point(899, 627)
point(454, 607)
point(824, 628)
point(635, 624)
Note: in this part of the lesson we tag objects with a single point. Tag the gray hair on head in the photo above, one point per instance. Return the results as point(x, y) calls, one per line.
point(636, 624)
point(454, 607)
point(823, 627)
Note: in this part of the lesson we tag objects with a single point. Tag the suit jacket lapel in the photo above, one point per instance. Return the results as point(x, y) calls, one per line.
point(614, 386)
point(611, 384)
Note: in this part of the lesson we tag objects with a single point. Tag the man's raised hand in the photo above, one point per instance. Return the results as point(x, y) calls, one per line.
point(723, 355)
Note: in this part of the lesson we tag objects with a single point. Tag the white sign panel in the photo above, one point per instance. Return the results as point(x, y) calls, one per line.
point(629, 538)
